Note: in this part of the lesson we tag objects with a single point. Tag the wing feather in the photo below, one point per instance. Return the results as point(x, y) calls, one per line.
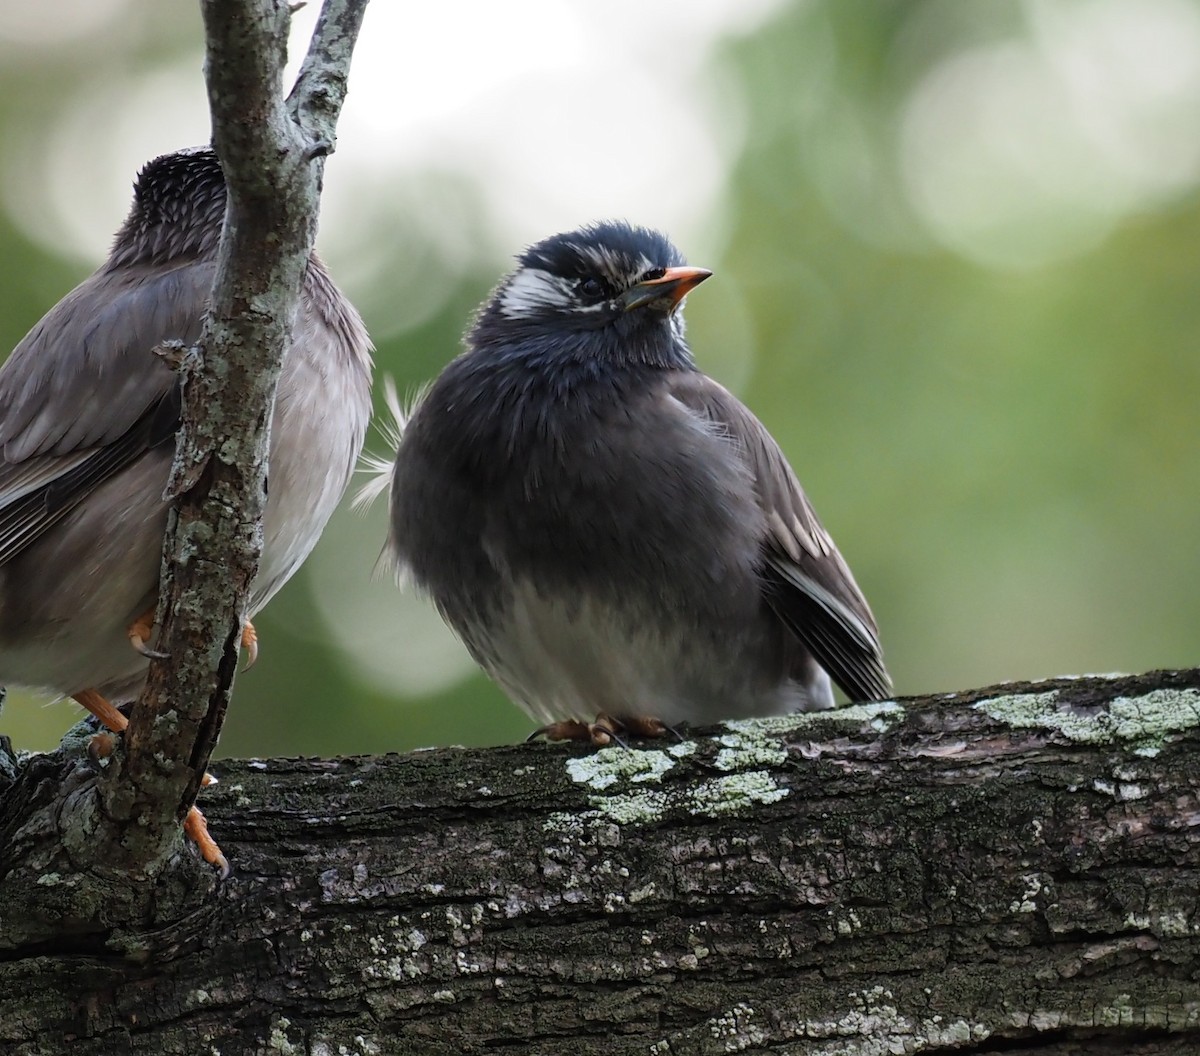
point(83, 396)
point(806, 580)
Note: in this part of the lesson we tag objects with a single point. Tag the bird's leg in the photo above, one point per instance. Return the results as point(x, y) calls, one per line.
point(139, 634)
point(250, 644)
point(110, 718)
point(604, 731)
point(194, 824)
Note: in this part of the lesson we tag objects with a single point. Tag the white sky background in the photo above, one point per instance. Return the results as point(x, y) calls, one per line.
point(559, 112)
point(1017, 152)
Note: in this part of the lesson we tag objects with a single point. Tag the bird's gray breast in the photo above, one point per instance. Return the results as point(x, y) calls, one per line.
point(322, 407)
point(625, 549)
point(636, 502)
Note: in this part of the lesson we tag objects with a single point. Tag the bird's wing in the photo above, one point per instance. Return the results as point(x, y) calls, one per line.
point(83, 395)
point(806, 580)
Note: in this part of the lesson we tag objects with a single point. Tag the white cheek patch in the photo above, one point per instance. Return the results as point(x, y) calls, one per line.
point(533, 290)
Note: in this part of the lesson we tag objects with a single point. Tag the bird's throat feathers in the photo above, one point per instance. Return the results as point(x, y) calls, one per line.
point(535, 392)
point(636, 340)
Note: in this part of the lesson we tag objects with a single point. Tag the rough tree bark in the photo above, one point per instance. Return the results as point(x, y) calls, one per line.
point(1006, 870)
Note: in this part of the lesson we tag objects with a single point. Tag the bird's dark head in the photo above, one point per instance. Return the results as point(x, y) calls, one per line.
point(610, 290)
point(178, 207)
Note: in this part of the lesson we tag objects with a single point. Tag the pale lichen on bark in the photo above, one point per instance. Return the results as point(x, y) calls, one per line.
point(1143, 721)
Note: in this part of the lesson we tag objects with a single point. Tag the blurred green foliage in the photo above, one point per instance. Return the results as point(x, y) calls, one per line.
point(1007, 455)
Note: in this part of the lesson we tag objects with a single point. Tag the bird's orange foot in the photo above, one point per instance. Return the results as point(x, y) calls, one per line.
point(102, 746)
point(600, 733)
point(196, 829)
point(250, 644)
point(604, 731)
point(139, 634)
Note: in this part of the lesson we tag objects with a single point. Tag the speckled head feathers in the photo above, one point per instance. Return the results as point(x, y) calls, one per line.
point(178, 207)
point(620, 250)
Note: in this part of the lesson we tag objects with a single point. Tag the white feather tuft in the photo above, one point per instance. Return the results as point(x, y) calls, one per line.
point(379, 467)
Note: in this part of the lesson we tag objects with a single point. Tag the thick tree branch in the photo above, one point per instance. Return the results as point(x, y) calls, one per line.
point(1008, 870)
point(272, 155)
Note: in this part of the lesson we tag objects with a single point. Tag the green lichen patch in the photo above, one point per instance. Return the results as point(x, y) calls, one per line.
point(632, 808)
point(731, 794)
point(770, 725)
point(608, 766)
point(1149, 719)
point(1144, 722)
point(734, 794)
point(737, 1028)
point(755, 743)
point(879, 715)
point(748, 748)
point(876, 1027)
point(721, 796)
point(278, 1041)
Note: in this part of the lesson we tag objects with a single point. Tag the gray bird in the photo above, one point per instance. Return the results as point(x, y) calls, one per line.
point(88, 415)
point(609, 531)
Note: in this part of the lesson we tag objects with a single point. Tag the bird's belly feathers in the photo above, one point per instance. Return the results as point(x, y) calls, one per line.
point(614, 570)
point(309, 472)
point(560, 657)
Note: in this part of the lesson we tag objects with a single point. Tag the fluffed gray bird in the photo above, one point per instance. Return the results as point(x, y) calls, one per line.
point(88, 415)
point(610, 531)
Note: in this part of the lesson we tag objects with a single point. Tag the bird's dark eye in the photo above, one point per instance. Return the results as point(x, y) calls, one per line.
point(591, 288)
point(652, 274)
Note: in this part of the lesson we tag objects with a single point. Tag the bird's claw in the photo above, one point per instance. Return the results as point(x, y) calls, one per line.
point(649, 727)
point(604, 731)
point(600, 733)
point(139, 634)
point(250, 644)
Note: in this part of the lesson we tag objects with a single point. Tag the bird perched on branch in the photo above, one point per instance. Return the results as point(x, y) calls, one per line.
point(88, 415)
point(617, 539)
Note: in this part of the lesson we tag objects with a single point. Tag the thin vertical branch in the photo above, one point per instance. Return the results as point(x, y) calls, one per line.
point(272, 152)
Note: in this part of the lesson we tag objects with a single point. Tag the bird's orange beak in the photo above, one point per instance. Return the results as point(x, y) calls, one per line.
point(667, 290)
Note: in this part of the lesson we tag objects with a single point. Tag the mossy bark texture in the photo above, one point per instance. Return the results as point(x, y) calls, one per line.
point(1008, 870)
